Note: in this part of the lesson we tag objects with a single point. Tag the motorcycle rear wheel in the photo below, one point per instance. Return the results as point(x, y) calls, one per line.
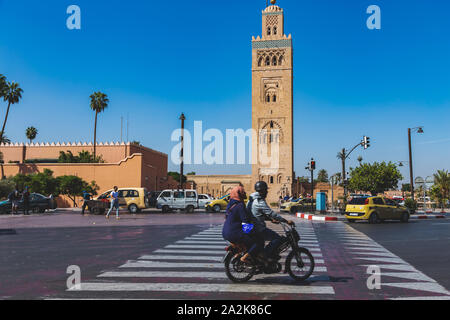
point(296, 272)
point(237, 271)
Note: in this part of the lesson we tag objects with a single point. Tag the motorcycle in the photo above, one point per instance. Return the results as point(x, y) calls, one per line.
point(299, 262)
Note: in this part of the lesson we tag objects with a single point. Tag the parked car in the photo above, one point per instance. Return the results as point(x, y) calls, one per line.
point(375, 209)
point(38, 204)
point(287, 206)
point(170, 200)
point(220, 204)
point(133, 199)
point(203, 200)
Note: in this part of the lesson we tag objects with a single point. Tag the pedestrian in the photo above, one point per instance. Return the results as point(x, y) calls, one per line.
point(280, 201)
point(86, 197)
point(114, 203)
point(26, 201)
point(14, 198)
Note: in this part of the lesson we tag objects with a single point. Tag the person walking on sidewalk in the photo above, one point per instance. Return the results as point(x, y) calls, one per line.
point(26, 201)
point(114, 203)
point(14, 198)
point(86, 197)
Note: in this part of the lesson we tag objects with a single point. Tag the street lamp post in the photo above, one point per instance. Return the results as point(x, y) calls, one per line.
point(411, 173)
point(182, 118)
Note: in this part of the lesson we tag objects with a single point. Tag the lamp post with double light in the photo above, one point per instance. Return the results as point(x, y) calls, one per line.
point(418, 130)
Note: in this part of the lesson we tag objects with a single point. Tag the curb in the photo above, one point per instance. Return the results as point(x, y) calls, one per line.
point(316, 218)
point(421, 217)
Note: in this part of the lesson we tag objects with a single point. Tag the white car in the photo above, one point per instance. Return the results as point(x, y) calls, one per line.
point(170, 200)
point(203, 200)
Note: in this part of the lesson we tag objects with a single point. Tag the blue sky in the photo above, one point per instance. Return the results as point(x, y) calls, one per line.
point(156, 59)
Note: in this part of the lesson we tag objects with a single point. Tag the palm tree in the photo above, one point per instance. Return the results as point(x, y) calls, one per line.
point(11, 93)
point(442, 182)
point(360, 160)
point(99, 102)
point(4, 139)
point(2, 84)
point(31, 133)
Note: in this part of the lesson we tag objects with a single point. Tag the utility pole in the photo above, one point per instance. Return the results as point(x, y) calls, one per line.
point(411, 174)
point(182, 118)
point(311, 167)
point(365, 143)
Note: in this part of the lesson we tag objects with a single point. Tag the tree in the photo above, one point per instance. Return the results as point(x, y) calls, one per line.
point(72, 187)
point(44, 182)
point(176, 176)
point(4, 139)
point(322, 176)
point(31, 133)
point(2, 85)
point(12, 93)
point(6, 187)
point(375, 178)
point(360, 160)
point(99, 102)
point(83, 157)
point(441, 189)
point(191, 174)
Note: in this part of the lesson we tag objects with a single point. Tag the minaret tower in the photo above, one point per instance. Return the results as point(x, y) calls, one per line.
point(272, 103)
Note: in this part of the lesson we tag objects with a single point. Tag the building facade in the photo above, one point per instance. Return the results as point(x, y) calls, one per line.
point(272, 114)
point(272, 105)
point(125, 164)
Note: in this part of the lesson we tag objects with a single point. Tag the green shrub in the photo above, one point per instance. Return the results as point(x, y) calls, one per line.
point(411, 205)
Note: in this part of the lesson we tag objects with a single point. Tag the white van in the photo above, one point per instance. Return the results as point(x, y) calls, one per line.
point(177, 200)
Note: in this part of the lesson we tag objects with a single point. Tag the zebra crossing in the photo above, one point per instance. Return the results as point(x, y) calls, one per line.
point(194, 265)
point(395, 272)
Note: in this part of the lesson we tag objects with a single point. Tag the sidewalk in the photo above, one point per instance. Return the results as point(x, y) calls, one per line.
point(335, 216)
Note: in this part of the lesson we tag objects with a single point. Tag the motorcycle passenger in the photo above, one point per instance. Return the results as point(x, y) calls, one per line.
point(237, 215)
point(260, 211)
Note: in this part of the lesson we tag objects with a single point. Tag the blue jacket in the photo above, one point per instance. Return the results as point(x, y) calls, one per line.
point(236, 215)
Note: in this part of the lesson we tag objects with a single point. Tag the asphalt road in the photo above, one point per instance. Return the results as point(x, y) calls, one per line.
point(178, 256)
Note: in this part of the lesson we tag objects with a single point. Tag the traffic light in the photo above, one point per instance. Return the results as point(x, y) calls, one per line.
point(313, 165)
point(366, 143)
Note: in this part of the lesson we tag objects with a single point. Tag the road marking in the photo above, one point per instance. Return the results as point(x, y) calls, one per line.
point(200, 287)
point(379, 259)
point(202, 242)
point(158, 257)
point(220, 252)
point(399, 267)
point(419, 286)
point(175, 265)
point(157, 264)
point(408, 275)
point(207, 258)
point(184, 274)
point(423, 298)
point(193, 246)
point(378, 254)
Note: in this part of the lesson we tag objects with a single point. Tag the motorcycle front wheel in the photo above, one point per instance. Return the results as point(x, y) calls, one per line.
point(300, 264)
point(238, 271)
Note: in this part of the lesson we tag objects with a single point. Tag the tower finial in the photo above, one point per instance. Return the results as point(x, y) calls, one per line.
point(273, 1)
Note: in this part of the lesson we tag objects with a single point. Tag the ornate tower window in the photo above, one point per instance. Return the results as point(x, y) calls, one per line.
point(269, 31)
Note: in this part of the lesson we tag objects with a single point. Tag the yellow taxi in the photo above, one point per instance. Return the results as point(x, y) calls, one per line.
point(220, 204)
point(375, 210)
point(133, 199)
point(290, 206)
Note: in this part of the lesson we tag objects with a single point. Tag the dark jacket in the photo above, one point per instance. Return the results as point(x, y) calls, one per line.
point(236, 215)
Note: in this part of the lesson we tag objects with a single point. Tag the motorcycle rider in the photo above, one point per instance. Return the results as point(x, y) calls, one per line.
point(261, 211)
point(237, 215)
